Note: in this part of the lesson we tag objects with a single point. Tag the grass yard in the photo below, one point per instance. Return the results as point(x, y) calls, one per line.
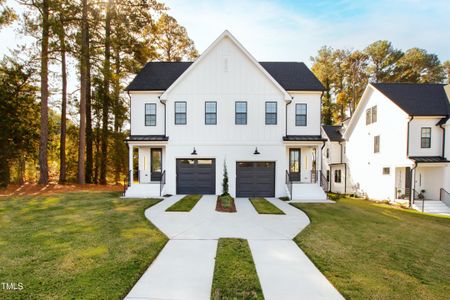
point(373, 251)
point(235, 273)
point(84, 245)
point(186, 203)
point(263, 206)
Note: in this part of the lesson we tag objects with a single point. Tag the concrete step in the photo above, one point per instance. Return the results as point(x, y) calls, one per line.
point(432, 207)
point(143, 191)
point(307, 191)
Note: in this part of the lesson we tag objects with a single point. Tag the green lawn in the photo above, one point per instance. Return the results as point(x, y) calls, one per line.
point(373, 251)
point(235, 273)
point(186, 203)
point(263, 206)
point(85, 245)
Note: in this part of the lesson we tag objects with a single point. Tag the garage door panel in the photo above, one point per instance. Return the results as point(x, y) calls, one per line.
point(255, 179)
point(196, 176)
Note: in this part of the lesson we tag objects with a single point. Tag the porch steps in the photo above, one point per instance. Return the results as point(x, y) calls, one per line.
point(308, 192)
point(148, 190)
point(432, 207)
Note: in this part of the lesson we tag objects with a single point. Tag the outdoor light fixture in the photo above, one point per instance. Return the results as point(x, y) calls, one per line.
point(194, 152)
point(256, 151)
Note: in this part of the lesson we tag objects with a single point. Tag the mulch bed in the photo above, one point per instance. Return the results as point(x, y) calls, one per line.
point(220, 208)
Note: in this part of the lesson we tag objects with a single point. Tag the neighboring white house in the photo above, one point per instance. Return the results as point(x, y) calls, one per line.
point(397, 142)
point(261, 119)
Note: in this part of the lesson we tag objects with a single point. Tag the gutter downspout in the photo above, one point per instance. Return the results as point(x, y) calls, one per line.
point(407, 136)
point(443, 139)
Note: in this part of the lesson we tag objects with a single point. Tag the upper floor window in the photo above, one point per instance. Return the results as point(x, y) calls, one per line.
point(180, 112)
point(210, 113)
point(271, 113)
point(376, 144)
point(425, 138)
point(300, 114)
point(371, 115)
point(241, 113)
point(386, 171)
point(150, 114)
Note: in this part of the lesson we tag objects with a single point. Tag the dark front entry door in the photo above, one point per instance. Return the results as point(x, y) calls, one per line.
point(294, 164)
point(196, 176)
point(255, 179)
point(408, 182)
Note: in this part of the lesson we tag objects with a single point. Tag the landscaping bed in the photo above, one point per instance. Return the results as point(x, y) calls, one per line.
point(85, 245)
point(375, 251)
point(225, 203)
point(235, 274)
point(186, 203)
point(263, 206)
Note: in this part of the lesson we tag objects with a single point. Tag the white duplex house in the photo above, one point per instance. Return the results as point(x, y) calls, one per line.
point(261, 119)
point(397, 144)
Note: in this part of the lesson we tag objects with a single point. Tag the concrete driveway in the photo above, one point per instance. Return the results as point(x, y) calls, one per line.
point(184, 268)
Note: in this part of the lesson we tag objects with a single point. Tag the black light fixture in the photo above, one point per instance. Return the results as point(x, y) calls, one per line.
point(256, 151)
point(194, 152)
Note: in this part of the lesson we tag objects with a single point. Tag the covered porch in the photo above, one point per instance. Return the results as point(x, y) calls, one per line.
point(146, 174)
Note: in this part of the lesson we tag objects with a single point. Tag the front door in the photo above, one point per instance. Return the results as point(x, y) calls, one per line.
point(156, 164)
point(294, 164)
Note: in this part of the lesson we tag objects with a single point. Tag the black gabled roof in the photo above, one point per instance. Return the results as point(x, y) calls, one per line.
point(333, 132)
point(304, 138)
point(417, 99)
point(158, 76)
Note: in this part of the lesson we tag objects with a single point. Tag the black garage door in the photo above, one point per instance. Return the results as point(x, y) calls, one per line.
point(255, 179)
point(196, 176)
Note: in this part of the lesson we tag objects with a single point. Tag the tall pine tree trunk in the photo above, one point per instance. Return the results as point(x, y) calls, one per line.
point(89, 133)
point(106, 94)
point(62, 147)
point(84, 59)
point(21, 170)
point(43, 142)
point(117, 119)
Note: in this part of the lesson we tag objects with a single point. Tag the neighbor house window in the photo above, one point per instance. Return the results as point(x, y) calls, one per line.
point(180, 113)
point(210, 112)
point(328, 152)
point(386, 171)
point(271, 113)
point(150, 114)
point(371, 115)
point(376, 144)
point(241, 113)
point(328, 175)
point(425, 140)
point(337, 176)
point(300, 114)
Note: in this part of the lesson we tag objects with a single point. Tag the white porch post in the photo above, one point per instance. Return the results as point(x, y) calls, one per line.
point(130, 163)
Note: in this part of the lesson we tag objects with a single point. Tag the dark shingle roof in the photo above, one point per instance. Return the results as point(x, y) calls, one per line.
point(141, 138)
point(159, 76)
point(333, 133)
point(429, 159)
point(303, 138)
point(417, 99)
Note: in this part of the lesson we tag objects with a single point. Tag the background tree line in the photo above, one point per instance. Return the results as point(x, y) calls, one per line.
point(345, 73)
point(49, 132)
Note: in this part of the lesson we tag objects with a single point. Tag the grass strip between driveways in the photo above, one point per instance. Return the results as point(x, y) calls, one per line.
point(235, 274)
point(186, 203)
point(78, 245)
point(263, 206)
point(375, 251)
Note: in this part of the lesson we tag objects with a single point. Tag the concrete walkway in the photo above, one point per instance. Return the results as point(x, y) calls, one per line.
point(184, 268)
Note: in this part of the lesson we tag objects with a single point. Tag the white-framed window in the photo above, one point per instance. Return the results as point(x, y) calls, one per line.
point(376, 144)
point(240, 113)
point(210, 112)
point(371, 115)
point(271, 113)
point(180, 113)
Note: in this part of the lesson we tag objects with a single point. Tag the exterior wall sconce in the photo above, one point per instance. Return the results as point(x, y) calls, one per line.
point(256, 151)
point(194, 152)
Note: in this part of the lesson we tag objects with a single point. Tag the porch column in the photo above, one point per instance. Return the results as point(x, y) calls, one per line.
point(130, 163)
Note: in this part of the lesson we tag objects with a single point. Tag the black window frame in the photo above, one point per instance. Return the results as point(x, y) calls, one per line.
point(271, 113)
point(376, 144)
point(180, 113)
point(298, 115)
point(211, 113)
point(328, 175)
point(386, 171)
point(338, 176)
point(236, 113)
point(149, 115)
point(426, 139)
